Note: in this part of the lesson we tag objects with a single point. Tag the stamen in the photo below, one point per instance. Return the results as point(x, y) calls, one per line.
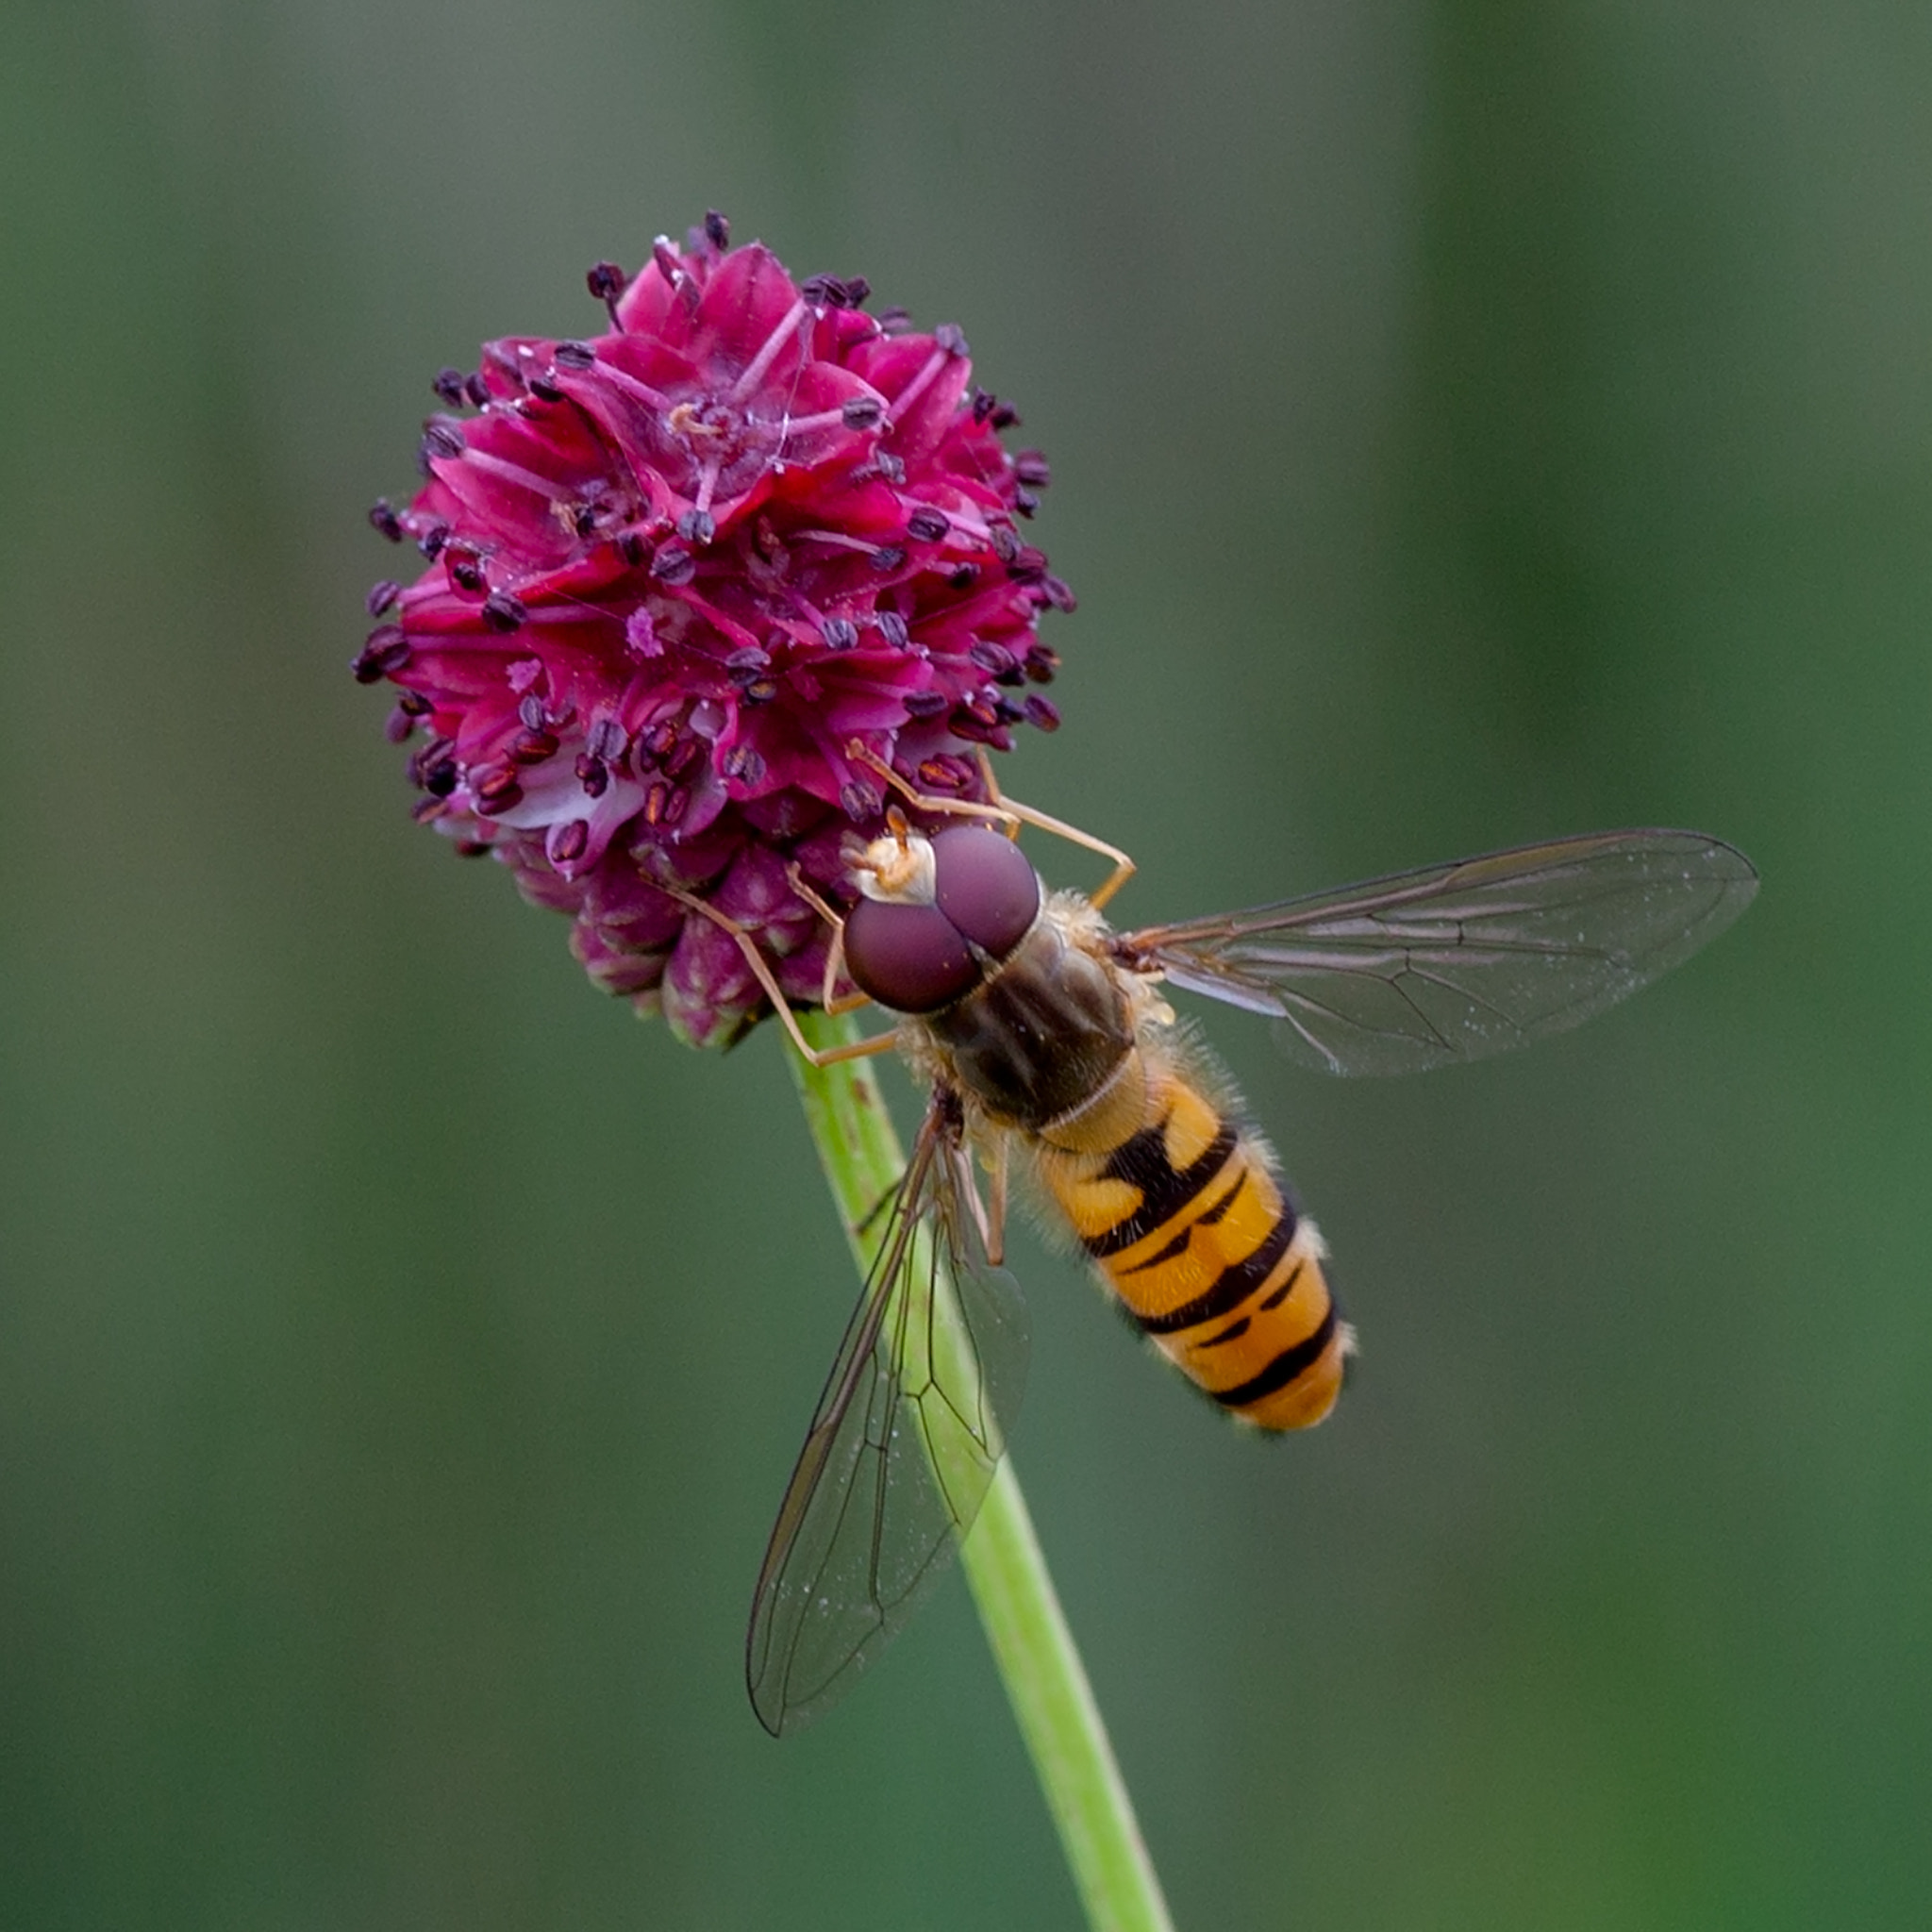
point(606, 281)
point(759, 364)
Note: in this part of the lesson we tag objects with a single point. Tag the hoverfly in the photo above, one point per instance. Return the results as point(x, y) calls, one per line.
point(1046, 1045)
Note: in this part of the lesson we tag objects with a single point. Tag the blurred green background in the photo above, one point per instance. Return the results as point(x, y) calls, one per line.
point(1469, 424)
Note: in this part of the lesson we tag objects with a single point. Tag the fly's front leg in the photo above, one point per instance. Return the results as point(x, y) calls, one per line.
point(818, 1056)
point(931, 802)
point(1124, 867)
point(835, 954)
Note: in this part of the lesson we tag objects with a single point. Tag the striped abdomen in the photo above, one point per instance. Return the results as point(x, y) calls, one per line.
point(1186, 1216)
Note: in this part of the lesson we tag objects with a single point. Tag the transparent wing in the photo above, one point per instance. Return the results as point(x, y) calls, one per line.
point(905, 1438)
point(1458, 961)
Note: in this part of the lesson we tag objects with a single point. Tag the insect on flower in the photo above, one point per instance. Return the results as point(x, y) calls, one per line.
point(1049, 1050)
point(721, 610)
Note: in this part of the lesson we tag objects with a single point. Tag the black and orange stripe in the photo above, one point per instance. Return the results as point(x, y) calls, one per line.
point(1187, 1218)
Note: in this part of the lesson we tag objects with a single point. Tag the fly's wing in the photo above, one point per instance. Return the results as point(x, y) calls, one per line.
point(905, 1438)
point(1458, 961)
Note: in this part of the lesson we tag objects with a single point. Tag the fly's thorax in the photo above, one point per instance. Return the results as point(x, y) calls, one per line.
point(1046, 1030)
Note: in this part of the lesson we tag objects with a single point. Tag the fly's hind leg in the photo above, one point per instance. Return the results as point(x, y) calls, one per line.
point(990, 1215)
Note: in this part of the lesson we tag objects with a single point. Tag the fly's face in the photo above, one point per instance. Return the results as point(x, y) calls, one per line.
point(937, 915)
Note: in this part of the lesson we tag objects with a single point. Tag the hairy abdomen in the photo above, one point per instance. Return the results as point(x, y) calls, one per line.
point(1183, 1210)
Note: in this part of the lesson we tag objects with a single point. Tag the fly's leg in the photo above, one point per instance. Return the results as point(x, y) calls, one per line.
point(1124, 867)
point(1007, 812)
point(835, 955)
point(988, 1215)
point(818, 1057)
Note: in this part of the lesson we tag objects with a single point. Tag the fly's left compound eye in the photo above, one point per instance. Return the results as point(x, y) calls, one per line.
point(910, 958)
point(984, 885)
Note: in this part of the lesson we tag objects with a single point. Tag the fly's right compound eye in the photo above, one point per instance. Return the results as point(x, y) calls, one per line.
point(910, 958)
point(986, 886)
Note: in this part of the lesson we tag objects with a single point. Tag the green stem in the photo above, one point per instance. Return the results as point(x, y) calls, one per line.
point(1031, 1644)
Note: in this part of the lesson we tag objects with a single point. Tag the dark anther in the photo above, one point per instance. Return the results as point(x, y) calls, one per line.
point(825, 291)
point(1027, 565)
point(950, 337)
point(840, 633)
point(399, 726)
point(567, 845)
point(498, 790)
point(892, 628)
point(382, 596)
point(432, 540)
point(1025, 502)
point(894, 320)
point(1005, 539)
point(1005, 416)
point(1032, 469)
point(441, 437)
point(475, 392)
point(657, 802)
point(384, 521)
point(716, 229)
point(531, 711)
point(583, 519)
point(574, 354)
point(983, 400)
point(674, 564)
point(743, 763)
point(861, 412)
point(858, 291)
point(1006, 710)
point(927, 525)
point(606, 281)
point(387, 650)
point(1042, 662)
point(449, 386)
point(1042, 712)
point(961, 578)
point(501, 611)
point(606, 740)
point(749, 660)
point(630, 547)
point(926, 703)
point(761, 690)
point(464, 566)
point(698, 526)
point(982, 707)
point(888, 558)
point(859, 801)
point(996, 661)
point(659, 740)
point(415, 704)
point(682, 757)
point(1060, 594)
point(472, 848)
point(594, 776)
point(945, 773)
point(533, 747)
point(439, 779)
point(890, 467)
point(544, 390)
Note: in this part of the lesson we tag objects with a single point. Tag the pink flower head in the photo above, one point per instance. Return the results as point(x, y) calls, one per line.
point(676, 569)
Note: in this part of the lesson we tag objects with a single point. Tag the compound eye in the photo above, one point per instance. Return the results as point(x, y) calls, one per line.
point(985, 886)
point(910, 958)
